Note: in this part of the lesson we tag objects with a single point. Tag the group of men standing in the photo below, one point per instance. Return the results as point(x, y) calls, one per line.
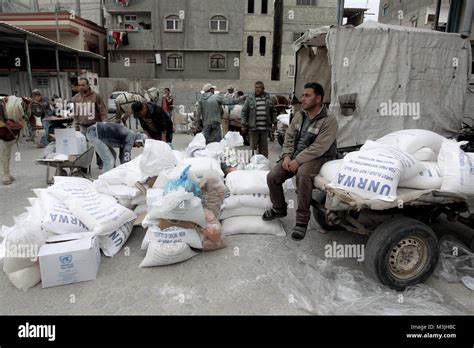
point(258, 115)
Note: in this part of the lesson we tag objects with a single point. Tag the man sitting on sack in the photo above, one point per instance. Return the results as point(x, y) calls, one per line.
point(310, 141)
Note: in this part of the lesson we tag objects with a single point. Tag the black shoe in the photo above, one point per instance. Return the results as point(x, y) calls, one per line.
point(299, 232)
point(272, 214)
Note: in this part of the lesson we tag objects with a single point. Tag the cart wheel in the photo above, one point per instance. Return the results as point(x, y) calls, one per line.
point(401, 253)
point(281, 139)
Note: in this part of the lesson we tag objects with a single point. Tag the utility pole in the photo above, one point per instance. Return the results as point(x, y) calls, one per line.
point(78, 8)
point(340, 12)
point(58, 39)
point(34, 5)
point(277, 39)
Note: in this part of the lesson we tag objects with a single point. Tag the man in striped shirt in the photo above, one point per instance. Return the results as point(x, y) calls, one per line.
point(258, 116)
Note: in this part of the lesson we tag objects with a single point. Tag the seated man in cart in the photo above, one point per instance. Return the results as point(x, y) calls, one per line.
point(309, 143)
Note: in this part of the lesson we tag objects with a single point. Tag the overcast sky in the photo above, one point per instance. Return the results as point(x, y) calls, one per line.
point(372, 5)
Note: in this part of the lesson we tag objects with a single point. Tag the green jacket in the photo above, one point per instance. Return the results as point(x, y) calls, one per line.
point(249, 112)
point(320, 138)
point(209, 109)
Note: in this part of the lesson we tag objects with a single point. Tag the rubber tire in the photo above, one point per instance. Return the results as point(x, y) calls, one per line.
point(388, 234)
point(281, 139)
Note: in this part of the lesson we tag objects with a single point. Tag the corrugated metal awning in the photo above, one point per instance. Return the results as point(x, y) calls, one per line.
point(16, 36)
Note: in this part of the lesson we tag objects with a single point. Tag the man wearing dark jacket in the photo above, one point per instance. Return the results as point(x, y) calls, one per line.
point(154, 121)
point(258, 116)
point(309, 142)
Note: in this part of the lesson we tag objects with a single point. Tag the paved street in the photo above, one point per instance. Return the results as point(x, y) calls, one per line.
point(244, 278)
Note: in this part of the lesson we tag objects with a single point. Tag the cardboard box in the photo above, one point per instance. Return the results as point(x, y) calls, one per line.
point(180, 119)
point(164, 224)
point(69, 259)
point(69, 142)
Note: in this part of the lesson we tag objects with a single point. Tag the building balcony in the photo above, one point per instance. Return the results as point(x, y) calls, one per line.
point(137, 40)
point(114, 6)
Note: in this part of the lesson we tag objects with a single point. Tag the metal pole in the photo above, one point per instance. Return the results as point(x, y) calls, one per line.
point(438, 12)
point(28, 65)
point(56, 10)
point(467, 21)
point(78, 67)
point(78, 8)
point(57, 71)
point(340, 12)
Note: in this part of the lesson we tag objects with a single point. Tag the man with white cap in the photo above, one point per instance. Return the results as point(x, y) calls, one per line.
point(231, 93)
point(209, 111)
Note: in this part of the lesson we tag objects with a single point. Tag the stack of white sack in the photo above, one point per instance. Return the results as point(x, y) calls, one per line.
point(223, 152)
point(20, 247)
point(258, 162)
point(72, 205)
point(243, 209)
point(180, 222)
point(413, 159)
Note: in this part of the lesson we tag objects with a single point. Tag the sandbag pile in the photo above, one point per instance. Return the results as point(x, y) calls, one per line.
point(414, 159)
point(249, 197)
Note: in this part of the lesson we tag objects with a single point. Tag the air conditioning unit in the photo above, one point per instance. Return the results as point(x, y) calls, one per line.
point(158, 59)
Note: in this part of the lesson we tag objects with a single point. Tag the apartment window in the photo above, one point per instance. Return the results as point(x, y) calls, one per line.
point(42, 82)
point(217, 62)
point(250, 46)
point(263, 45)
point(173, 23)
point(149, 61)
point(130, 18)
point(385, 10)
point(264, 6)
point(306, 2)
point(174, 62)
point(291, 70)
point(251, 6)
point(218, 24)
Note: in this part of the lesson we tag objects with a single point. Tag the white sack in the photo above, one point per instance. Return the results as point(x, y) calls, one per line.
point(172, 235)
point(253, 201)
point(179, 205)
point(128, 174)
point(329, 170)
point(425, 154)
point(412, 140)
point(156, 157)
point(26, 278)
point(172, 174)
point(141, 199)
point(410, 165)
point(198, 143)
point(100, 213)
point(179, 155)
point(166, 254)
point(234, 139)
point(242, 211)
point(57, 217)
point(429, 179)
point(251, 225)
point(372, 174)
point(117, 191)
point(152, 196)
point(141, 209)
point(199, 166)
point(247, 182)
point(113, 243)
point(258, 162)
point(457, 168)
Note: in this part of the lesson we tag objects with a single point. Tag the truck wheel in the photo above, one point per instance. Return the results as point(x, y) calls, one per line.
point(401, 253)
point(281, 139)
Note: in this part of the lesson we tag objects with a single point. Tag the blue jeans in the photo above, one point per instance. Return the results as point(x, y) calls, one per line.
point(44, 140)
point(101, 148)
point(212, 133)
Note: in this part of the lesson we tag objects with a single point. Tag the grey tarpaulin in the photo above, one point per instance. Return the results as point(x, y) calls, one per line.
point(387, 64)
